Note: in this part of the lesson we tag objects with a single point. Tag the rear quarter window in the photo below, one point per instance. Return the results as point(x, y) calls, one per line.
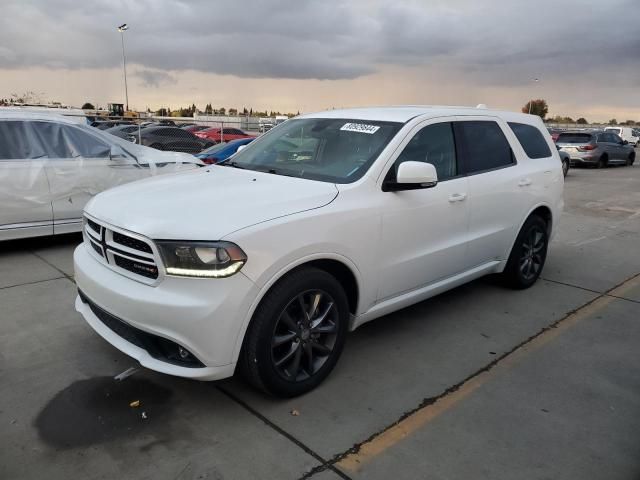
point(532, 141)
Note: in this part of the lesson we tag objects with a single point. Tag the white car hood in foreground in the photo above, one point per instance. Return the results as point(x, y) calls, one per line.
point(208, 203)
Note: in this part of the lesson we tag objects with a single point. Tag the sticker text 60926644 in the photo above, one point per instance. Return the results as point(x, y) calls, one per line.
point(360, 128)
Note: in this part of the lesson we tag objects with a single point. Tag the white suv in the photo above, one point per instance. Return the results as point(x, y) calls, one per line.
point(326, 222)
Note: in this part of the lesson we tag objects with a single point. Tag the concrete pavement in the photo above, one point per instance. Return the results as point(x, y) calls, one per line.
point(559, 402)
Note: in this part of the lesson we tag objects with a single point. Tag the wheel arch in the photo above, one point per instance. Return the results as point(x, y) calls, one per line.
point(542, 210)
point(343, 269)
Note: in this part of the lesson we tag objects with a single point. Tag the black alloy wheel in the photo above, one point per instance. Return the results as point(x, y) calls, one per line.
point(297, 333)
point(528, 254)
point(304, 335)
point(532, 253)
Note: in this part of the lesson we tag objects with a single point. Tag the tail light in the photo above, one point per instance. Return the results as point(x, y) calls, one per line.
point(210, 160)
point(585, 148)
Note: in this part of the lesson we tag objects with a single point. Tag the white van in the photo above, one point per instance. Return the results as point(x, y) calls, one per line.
point(626, 133)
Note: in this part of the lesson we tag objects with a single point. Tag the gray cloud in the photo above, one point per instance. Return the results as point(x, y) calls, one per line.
point(155, 78)
point(493, 42)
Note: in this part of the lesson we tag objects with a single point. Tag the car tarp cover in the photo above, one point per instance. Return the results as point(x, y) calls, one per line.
point(62, 156)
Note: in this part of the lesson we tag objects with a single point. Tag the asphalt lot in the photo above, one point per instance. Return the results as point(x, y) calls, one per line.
point(480, 382)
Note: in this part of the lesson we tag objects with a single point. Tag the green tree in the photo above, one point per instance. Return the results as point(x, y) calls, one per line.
point(613, 121)
point(233, 112)
point(582, 121)
point(630, 123)
point(88, 106)
point(536, 107)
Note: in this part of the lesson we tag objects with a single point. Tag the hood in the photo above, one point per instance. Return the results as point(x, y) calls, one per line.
point(151, 156)
point(207, 203)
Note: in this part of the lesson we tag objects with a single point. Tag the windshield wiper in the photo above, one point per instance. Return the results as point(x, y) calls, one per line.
point(231, 164)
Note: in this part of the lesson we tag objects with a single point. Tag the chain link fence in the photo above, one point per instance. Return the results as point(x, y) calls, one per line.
point(179, 134)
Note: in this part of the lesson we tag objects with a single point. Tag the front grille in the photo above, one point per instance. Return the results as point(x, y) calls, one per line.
point(130, 254)
point(149, 271)
point(96, 248)
point(94, 226)
point(158, 347)
point(131, 242)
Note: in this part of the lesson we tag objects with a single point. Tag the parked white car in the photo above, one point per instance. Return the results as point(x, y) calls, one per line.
point(322, 224)
point(626, 133)
point(51, 165)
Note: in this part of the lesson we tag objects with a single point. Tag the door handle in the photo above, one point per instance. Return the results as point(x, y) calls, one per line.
point(457, 197)
point(525, 182)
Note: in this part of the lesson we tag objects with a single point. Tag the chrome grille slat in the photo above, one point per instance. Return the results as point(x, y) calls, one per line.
point(122, 255)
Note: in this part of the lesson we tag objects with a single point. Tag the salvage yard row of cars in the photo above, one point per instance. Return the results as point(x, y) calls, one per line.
point(166, 135)
point(286, 258)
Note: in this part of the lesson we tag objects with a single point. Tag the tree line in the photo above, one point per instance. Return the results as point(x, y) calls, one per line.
point(541, 108)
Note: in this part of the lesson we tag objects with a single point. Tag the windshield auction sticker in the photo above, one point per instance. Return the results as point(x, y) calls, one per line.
point(360, 128)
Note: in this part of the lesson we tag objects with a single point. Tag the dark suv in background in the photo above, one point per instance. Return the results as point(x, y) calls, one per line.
point(596, 148)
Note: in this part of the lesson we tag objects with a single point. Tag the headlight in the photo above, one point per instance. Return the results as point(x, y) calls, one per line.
point(201, 259)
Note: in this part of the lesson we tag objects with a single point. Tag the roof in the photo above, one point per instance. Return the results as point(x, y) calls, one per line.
point(404, 113)
point(23, 114)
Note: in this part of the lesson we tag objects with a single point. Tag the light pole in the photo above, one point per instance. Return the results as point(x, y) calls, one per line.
point(531, 101)
point(122, 29)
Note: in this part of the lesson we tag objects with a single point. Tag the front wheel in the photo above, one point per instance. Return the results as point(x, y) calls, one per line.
point(565, 168)
point(297, 334)
point(527, 255)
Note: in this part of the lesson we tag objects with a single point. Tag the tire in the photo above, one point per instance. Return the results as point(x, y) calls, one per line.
point(528, 254)
point(565, 168)
point(281, 342)
point(631, 159)
point(603, 162)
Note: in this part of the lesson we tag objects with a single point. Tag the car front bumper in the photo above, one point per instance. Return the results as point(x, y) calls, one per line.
point(204, 316)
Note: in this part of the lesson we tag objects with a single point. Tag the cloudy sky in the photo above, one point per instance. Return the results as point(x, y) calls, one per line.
point(311, 55)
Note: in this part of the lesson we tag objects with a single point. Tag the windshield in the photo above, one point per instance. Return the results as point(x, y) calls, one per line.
point(325, 149)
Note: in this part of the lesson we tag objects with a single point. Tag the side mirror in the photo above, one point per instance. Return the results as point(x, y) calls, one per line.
point(412, 176)
point(624, 142)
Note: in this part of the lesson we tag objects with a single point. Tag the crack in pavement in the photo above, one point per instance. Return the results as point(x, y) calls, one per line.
point(324, 463)
point(64, 274)
point(31, 283)
point(470, 383)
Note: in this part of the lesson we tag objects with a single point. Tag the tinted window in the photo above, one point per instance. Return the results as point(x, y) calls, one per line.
point(575, 138)
point(485, 146)
point(615, 138)
point(615, 130)
point(81, 144)
point(433, 144)
point(532, 141)
point(16, 142)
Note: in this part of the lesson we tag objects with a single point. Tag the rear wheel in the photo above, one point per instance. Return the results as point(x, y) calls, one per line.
point(297, 334)
point(527, 255)
point(565, 167)
point(603, 161)
point(631, 159)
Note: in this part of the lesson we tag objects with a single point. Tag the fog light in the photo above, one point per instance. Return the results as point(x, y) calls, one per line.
point(184, 354)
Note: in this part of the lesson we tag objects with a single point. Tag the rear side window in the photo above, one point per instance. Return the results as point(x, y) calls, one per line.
point(484, 146)
point(574, 138)
point(615, 130)
point(532, 141)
